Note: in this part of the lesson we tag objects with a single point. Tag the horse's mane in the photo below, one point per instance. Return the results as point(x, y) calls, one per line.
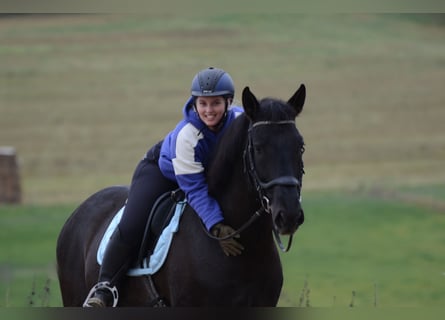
point(227, 152)
point(231, 146)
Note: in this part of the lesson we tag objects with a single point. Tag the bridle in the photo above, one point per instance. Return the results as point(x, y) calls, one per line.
point(261, 186)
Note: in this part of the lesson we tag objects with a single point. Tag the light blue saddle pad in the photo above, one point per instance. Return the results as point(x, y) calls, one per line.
point(161, 249)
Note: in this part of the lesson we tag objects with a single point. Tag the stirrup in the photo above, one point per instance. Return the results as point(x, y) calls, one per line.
point(102, 285)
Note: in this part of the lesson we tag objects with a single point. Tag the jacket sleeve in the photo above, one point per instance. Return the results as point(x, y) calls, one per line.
point(189, 172)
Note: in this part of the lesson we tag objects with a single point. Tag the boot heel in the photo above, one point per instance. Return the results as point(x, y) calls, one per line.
point(98, 296)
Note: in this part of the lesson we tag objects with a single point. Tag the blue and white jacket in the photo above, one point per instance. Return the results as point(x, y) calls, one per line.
point(185, 155)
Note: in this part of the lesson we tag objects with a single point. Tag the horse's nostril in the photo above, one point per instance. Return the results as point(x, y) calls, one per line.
point(279, 221)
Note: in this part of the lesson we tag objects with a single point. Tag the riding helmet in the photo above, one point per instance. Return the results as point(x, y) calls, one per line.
point(212, 82)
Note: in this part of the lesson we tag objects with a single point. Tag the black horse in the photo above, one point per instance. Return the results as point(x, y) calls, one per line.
point(256, 176)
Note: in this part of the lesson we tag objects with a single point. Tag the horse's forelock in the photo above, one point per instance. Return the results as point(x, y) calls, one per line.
point(275, 110)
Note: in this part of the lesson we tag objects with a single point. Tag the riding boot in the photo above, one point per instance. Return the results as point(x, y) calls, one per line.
point(116, 261)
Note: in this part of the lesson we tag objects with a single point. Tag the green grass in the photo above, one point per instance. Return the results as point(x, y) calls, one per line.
point(27, 258)
point(351, 241)
point(380, 248)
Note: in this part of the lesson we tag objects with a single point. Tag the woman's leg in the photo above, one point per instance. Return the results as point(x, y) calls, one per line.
point(147, 185)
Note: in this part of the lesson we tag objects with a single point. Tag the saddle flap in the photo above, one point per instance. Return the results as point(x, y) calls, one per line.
point(163, 222)
point(160, 216)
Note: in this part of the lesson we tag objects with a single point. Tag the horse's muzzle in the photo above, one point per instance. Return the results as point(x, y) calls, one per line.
point(286, 223)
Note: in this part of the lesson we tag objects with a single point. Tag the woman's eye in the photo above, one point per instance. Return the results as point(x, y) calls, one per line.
point(217, 103)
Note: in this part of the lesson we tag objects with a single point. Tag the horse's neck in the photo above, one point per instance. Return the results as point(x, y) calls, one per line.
point(239, 206)
point(228, 181)
point(230, 185)
point(237, 199)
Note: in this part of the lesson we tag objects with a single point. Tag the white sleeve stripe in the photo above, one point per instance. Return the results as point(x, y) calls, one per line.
point(186, 141)
point(185, 167)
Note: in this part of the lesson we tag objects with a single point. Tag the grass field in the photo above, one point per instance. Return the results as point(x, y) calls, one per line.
point(83, 96)
point(390, 253)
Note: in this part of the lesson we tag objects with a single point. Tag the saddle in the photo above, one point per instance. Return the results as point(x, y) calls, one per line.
point(160, 216)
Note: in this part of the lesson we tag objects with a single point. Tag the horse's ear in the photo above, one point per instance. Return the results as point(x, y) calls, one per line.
point(250, 103)
point(297, 100)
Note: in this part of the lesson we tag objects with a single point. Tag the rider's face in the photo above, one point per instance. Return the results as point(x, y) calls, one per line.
point(211, 110)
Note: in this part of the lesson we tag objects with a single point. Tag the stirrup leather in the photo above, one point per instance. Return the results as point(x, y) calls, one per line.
point(103, 285)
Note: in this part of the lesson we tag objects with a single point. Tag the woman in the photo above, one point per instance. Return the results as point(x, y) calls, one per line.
point(178, 161)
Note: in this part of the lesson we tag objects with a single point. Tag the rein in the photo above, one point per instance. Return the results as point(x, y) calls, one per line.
point(260, 187)
point(246, 224)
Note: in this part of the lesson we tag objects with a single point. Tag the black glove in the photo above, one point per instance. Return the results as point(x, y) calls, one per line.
point(230, 246)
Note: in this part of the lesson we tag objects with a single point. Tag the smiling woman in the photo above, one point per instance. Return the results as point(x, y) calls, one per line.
point(213, 90)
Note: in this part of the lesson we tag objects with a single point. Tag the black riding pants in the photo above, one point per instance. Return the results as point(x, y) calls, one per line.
point(148, 183)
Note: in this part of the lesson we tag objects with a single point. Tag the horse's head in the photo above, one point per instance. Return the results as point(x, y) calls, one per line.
point(273, 156)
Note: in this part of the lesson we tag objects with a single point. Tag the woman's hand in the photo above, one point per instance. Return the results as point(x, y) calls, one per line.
point(230, 246)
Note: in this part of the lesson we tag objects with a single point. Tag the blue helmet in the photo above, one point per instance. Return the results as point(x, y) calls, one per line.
point(212, 82)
